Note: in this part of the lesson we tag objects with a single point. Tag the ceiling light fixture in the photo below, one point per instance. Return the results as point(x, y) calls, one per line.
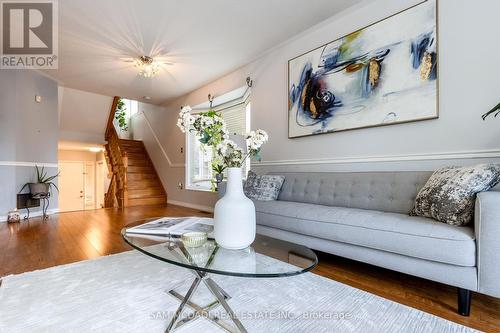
point(95, 149)
point(148, 67)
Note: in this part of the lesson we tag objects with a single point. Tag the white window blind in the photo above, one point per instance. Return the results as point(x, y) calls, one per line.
point(199, 161)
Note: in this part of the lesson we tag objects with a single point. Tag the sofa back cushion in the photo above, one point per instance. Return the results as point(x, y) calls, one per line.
point(385, 191)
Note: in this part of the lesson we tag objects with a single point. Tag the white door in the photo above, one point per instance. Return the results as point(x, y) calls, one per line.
point(99, 185)
point(89, 185)
point(71, 186)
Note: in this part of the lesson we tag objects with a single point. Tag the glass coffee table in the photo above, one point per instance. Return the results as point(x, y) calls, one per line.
point(265, 258)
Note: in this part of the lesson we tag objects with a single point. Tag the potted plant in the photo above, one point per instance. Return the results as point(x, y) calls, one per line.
point(234, 214)
point(43, 185)
point(219, 172)
point(218, 168)
point(121, 115)
point(495, 111)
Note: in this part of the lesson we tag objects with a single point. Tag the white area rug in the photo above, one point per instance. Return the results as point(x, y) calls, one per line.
point(126, 293)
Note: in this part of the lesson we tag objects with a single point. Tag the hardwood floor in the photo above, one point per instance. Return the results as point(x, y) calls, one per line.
point(71, 237)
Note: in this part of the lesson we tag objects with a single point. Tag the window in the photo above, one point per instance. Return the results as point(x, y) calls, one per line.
point(131, 106)
point(236, 113)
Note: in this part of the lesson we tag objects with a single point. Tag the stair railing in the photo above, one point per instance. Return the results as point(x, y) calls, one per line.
point(118, 163)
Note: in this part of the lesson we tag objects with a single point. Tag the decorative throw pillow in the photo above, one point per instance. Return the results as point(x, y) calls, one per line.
point(449, 195)
point(263, 188)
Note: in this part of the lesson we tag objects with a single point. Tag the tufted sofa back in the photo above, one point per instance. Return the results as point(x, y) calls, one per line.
point(383, 191)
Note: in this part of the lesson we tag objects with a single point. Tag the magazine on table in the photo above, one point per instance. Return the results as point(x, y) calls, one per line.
point(174, 226)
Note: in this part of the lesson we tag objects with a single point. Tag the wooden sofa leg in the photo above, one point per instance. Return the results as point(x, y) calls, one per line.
point(464, 301)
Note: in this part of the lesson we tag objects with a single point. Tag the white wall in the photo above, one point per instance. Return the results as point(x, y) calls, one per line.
point(28, 133)
point(83, 116)
point(468, 87)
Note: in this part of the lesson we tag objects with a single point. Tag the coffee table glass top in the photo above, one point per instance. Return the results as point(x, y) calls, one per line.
point(266, 257)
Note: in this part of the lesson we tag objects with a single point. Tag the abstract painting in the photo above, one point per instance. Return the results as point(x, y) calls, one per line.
point(383, 74)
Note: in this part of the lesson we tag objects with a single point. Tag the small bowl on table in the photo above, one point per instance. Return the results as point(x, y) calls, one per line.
point(194, 239)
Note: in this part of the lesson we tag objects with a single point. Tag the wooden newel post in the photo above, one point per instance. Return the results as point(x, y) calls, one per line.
point(125, 180)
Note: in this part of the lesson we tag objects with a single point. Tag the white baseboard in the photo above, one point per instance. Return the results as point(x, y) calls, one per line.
point(190, 205)
point(32, 214)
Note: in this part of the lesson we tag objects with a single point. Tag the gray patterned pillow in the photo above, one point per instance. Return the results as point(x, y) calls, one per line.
point(263, 188)
point(449, 195)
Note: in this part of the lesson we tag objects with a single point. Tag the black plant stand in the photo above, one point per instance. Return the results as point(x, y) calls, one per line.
point(45, 197)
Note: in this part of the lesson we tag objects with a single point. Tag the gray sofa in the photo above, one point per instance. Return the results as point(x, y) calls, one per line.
point(364, 216)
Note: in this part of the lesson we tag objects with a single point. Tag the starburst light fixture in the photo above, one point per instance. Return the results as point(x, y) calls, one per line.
point(148, 67)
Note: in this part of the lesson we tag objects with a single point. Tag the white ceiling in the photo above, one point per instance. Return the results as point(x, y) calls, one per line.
point(204, 39)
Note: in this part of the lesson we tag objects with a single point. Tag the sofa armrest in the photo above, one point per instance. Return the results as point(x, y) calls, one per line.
point(487, 228)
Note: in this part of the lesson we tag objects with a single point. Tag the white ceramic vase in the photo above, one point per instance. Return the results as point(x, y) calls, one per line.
point(234, 215)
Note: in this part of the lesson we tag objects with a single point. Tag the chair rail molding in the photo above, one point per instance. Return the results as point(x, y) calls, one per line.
point(164, 152)
point(29, 164)
point(461, 155)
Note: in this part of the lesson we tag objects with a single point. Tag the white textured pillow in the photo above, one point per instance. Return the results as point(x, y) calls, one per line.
point(449, 195)
point(263, 188)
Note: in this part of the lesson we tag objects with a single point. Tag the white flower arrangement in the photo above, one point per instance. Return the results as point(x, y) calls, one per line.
point(210, 129)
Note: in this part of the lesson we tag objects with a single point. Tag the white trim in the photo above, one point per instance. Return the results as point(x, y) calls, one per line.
point(194, 188)
point(172, 165)
point(192, 206)
point(32, 214)
point(28, 164)
point(492, 153)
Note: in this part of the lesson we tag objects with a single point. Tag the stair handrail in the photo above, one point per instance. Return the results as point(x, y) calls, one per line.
point(118, 160)
point(110, 127)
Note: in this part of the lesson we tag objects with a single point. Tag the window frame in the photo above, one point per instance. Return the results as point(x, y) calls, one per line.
point(243, 100)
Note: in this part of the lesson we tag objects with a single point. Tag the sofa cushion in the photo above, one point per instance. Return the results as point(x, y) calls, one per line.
point(416, 237)
point(263, 188)
point(393, 192)
point(450, 194)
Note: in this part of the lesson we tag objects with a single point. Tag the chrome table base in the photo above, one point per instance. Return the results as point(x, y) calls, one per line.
point(221, 298)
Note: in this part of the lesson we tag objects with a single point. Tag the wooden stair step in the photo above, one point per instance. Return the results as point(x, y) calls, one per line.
point(145, 193)
point(137, 155)
point(134, 150)
point(138, 162)
point(144, 183)
point(132, 147)
point(140, 176)
point(141, 169)
point(148, 201)
point(131, 142)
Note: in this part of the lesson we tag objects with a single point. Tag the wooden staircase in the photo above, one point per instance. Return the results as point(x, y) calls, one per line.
point(134, 181)
point(144, 185)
